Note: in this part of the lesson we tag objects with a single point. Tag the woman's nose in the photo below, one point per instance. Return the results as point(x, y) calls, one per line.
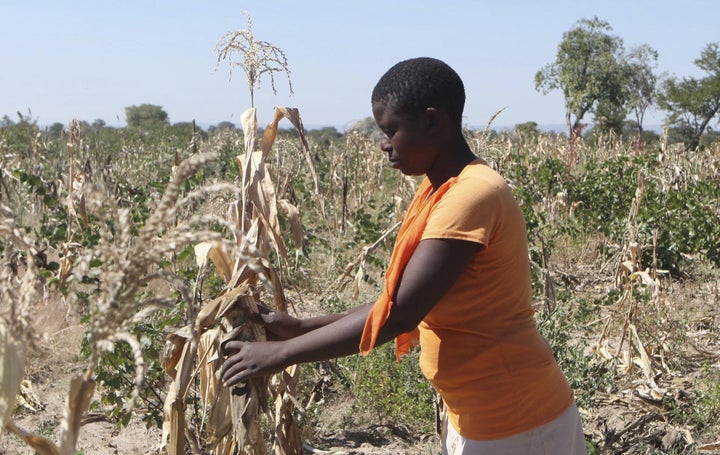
point(385, 145)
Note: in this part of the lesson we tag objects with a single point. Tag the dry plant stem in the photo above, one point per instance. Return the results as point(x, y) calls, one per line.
point(626, 269)
point(362, 257)
point(549, 291)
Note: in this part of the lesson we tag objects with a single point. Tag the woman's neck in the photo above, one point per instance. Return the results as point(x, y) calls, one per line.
point(454, 161)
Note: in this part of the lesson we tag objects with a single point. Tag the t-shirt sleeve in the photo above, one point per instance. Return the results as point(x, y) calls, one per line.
point(468, 211)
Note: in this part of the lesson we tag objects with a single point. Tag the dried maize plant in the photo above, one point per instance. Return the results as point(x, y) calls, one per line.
point(75, 202)
point(232, 416)
point(20, 289)
point(631, 350)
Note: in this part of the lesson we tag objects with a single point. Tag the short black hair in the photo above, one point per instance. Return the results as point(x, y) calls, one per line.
point(418, 83)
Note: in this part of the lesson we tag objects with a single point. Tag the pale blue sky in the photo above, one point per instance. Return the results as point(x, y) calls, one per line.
point(91, 59)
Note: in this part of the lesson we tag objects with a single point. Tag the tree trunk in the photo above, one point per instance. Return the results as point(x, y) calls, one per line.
point(695, 143)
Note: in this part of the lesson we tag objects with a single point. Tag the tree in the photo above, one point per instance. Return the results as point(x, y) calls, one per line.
point(693, 103)
point(366, 127)
point(146, 116)
point(6, 122)
point(589, 70)
point(56, 129)
point(641, 84)
point(527, 129)
point(258, 57)
point(325, 136)
point(226, 125)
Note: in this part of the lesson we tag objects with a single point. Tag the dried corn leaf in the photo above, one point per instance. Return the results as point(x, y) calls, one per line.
point(216, 252)
point(236, 304)
point(644, 361)
point(359, 276)
point(212, 311)
point(288, 440)
point(77, 404)
point(248, 122)
point(250, 270)
point(265, 205)
point(259, 192)
point(173, 433)
point(293, 215)
point(174, 345)
point(216, 398)
point(40, 444)
point(277, 288)
point(12, 368)
point(247, 400)
point(173, 422)
point(645, 278)
point(271, 132)
point(293, 114)
point(232, 415)
point(27, 398)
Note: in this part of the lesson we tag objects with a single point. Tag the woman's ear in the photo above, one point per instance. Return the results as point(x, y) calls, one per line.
point(435, 119)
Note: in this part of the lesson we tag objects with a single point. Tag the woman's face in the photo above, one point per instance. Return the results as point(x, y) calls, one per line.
point(406, 139)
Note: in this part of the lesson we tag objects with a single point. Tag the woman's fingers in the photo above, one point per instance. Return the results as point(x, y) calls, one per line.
point(234, 374)
point(249, 359)
point(230, 347)
point(233, 366)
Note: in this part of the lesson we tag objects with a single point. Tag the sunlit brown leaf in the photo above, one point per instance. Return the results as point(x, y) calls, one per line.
point(216, 252)
point(12, 369)
point(293, 215)
point(76, 406)
point(40, 444)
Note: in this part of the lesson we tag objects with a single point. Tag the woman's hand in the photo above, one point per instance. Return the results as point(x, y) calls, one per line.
point(249, 359)
point(278, 324)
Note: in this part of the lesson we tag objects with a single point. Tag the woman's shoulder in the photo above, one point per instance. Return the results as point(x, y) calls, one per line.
point(480, 180)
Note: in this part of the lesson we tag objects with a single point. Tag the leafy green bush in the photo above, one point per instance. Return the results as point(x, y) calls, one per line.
point(687, 221)
point(563, 329)
point(115, 374)
point(394, 392)
point(603, 191)
point(685, 214)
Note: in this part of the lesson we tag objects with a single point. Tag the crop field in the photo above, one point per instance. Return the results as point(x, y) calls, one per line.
point(129, 254)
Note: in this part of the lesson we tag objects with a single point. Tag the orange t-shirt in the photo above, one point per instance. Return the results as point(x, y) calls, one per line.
point(480, 347)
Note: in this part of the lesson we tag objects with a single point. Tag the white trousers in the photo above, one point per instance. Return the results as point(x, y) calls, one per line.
point(562, 436)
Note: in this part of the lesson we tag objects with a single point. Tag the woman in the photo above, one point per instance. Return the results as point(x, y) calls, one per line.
point(458, 282)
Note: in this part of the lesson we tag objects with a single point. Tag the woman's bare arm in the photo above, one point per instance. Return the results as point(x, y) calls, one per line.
point(432, 270)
